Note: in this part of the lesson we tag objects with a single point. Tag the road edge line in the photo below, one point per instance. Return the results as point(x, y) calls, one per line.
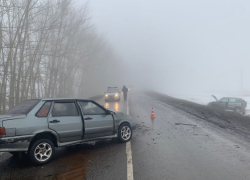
point(130, 174)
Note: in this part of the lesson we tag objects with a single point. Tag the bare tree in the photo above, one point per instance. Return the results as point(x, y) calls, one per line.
point(48, 48)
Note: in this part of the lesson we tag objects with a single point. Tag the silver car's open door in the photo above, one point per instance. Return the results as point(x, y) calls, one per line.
point(97, 121)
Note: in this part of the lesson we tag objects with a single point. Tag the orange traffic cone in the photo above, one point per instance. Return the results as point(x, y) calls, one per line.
point(152, 114)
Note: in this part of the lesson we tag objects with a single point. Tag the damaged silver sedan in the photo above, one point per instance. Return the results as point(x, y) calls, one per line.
point(38, 126)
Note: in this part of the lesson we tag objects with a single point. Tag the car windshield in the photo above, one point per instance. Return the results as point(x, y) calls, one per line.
point(24, 107)
point(112, 90)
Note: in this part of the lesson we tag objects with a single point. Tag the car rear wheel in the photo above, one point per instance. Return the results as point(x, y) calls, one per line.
point(42, 151)
point(124, 133)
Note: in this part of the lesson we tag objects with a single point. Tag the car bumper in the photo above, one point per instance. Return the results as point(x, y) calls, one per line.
point(133, 125)
point(112, 98)
point(12, 144)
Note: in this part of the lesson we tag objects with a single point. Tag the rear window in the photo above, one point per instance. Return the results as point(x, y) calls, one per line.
point(24, 107)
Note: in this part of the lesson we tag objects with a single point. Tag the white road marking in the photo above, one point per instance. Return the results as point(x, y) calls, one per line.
point(130, 174)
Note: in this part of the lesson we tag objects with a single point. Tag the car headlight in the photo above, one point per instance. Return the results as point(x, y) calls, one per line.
point(106, 95)
point(116, 95)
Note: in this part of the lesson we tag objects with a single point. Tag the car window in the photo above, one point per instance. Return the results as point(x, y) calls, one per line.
point(24, 107)
point(91, 108)
point(232, 100)
point(112, 91)
point(224, 100)
point(64, 109)
point(44, 111)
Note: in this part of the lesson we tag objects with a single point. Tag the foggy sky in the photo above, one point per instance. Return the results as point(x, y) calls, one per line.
point(179, 45)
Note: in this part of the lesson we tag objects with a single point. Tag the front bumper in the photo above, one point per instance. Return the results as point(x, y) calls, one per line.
point(12, 144)
point(133, 125)
point(112, 97)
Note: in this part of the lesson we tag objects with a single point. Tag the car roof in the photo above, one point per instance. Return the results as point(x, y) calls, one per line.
point(112, 87)
point(232, 98)
point(67, 99)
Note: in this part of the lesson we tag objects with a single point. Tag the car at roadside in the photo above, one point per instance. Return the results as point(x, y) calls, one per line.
point(38, 126)
point(112, 94)
point(237, 105)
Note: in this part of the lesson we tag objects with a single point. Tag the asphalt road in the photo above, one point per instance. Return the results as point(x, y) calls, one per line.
point(174, 146)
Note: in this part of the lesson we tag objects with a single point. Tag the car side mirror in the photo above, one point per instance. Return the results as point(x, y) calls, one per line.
point(108, 112)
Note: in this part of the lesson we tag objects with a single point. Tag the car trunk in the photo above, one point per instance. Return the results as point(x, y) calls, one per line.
point(10, 131)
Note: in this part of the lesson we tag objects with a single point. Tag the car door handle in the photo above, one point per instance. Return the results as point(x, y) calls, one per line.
point(88, 118)
point(54, 121)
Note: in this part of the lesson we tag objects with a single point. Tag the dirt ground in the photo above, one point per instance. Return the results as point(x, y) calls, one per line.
point(224, 119)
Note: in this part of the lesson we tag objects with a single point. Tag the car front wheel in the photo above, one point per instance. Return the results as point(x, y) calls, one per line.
point(42, 151)
point(237, 110)
point(124, 133)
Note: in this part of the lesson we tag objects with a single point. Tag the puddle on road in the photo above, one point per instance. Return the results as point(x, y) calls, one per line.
point(78, 174)
point(78, 161)
point(115, 106)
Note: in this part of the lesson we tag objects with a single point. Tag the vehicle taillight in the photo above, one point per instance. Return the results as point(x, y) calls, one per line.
point(2, 131)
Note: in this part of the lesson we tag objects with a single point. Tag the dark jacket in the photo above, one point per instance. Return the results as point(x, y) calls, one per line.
point(124, 89)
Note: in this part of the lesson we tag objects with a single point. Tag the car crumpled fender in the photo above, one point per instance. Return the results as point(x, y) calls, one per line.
point(121, 118)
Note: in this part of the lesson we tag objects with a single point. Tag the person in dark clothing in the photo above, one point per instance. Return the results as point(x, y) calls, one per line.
point(243, 107)
point(125, 92)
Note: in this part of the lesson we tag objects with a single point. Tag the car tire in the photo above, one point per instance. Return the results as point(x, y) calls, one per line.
point(237, 110)
point(42, 151)
point(124, 133)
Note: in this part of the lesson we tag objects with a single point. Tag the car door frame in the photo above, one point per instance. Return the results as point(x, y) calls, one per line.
point(84, 116)
point(233, 105)
point(66, 101)
point(224, 105)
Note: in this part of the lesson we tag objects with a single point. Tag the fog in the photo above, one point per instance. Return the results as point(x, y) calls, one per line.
point(178, 45)
point(65, 48)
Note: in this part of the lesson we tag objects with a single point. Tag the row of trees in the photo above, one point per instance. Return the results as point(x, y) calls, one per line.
point(48, 48)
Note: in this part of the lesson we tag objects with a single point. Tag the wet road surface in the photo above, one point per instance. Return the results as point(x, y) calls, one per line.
point(175, 145)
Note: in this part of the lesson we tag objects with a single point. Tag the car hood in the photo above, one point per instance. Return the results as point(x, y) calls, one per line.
point(112, 93)
point(215, 97)
point(121, 116)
